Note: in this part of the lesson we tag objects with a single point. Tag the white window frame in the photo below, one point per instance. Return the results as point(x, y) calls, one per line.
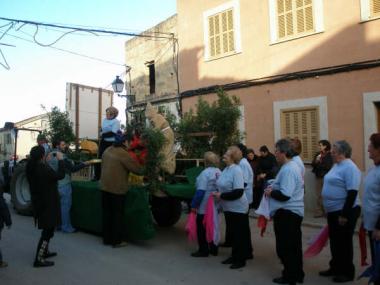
point(365, 11)
point(235, 6)
point(320, 102)
point(318, 17)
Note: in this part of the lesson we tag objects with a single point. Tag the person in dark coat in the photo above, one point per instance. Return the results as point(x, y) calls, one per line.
point(322, 163)
point(253, 159)
point(43, 182)
point(267, 169)
point(5, 219)
point(116, 166)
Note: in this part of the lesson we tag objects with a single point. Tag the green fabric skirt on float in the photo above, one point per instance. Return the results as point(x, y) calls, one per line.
point(86, 210)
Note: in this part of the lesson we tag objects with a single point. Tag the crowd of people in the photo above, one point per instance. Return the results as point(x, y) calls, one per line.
point(244, 182)
point(280, 178)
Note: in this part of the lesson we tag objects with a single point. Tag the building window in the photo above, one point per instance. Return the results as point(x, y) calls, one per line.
point(374, 8)
point(302, 123)
point(295, 18)
point(222, 30)
point(370, 9)
point(152, 77)
point(221, 34)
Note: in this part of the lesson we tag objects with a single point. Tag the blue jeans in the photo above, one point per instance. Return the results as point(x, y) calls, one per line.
point(65, 194)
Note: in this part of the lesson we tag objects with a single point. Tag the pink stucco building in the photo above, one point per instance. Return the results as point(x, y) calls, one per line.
point(301, 68)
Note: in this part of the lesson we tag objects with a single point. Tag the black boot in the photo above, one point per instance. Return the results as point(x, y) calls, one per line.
point(49, 253)
point(40, 261)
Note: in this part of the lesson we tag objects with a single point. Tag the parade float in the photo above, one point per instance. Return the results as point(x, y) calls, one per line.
point(155, 198)
point(147, 199)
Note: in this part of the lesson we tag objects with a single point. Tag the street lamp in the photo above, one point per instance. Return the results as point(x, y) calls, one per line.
point(118, 86)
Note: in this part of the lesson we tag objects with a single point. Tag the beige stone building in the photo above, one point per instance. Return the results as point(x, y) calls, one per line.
point(25, 137)
point(153, 66)
point(301, 68)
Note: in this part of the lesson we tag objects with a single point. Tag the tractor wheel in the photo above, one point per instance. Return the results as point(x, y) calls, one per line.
point(166, 210)
point(20, 193)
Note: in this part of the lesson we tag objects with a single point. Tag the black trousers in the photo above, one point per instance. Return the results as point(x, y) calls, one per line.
point(98, 167)
point(258, 192)
point(238, 225)
point(204, 246)
point(372, 252)
point(113, 222)
point(47, 234)
point(287, 229)
point(228, 236)
point(341, 243)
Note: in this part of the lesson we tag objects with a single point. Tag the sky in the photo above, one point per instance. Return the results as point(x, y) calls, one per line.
point(38, 75)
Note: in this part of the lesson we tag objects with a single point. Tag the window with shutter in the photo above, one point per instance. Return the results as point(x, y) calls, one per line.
point(221, 34)
point(294, 18)
point(302, 124)
point(375, 8)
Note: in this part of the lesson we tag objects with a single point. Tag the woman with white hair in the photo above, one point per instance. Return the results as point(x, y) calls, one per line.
point(235, 205)
point(205, 185)
point(340, 200)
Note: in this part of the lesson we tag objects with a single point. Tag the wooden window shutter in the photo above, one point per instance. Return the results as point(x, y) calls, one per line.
point(211, 32)
point(221, 33)
point(304, 125)
point(225, 32)
point(305, 21)
point(217, 35)
point(231, 38)
point(375, 8)
point(294, 17)
point(285, 18)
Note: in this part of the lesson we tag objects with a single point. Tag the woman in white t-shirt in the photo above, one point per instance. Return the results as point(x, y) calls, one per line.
point(205, 186)
point(341, 203)
point(371, 196)
point(235, 206)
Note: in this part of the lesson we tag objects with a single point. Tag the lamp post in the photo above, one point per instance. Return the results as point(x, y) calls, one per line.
point(118, 86)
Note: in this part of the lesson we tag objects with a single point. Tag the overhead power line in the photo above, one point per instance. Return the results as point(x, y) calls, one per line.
point(70, 52)
point(91, 30)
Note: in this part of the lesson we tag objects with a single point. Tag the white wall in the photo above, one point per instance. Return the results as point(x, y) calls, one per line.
point(88, 108)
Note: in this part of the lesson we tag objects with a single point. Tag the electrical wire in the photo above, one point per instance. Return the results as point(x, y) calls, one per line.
point(5, 63)
point(285, 77)
point(85, 29)
point(70, 52)
point(54, 42)
point(114, 28)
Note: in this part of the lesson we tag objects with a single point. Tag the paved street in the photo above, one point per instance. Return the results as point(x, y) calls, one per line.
point(82, 259)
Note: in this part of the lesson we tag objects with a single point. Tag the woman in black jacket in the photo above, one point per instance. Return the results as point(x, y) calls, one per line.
point(267, 169)
point(5, 219)
point(322, 164)
point(45, 200)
